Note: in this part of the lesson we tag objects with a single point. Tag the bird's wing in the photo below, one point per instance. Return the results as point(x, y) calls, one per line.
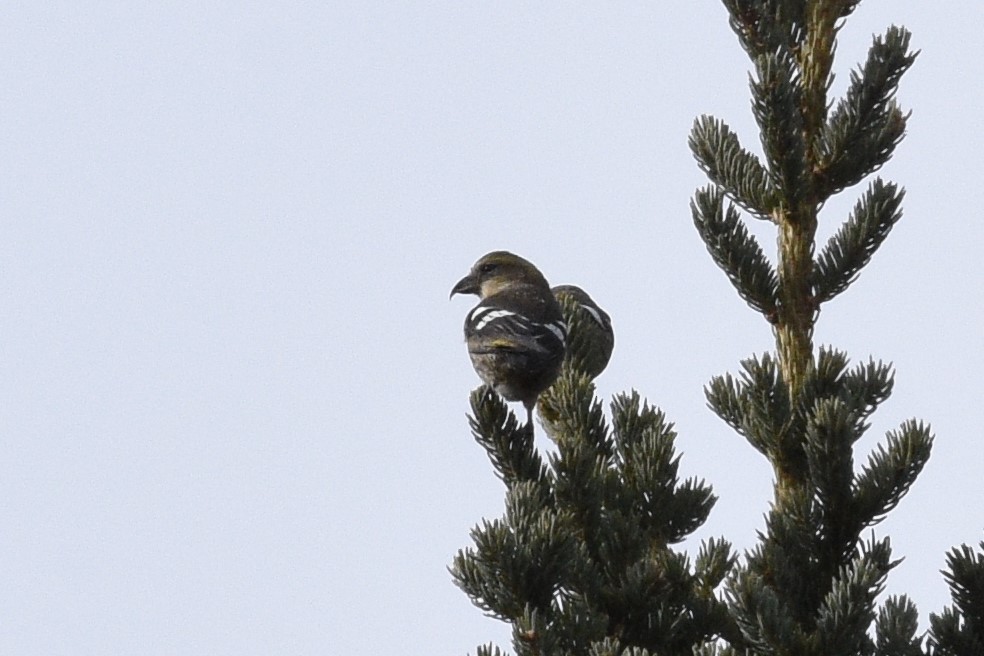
point(489, 329)
point(599, 316)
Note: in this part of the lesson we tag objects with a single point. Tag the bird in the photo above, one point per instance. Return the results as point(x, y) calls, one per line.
point(590, 343)
point(591, 339)
point(516, 335)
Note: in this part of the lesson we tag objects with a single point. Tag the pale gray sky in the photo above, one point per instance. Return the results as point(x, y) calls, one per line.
point(234, 388)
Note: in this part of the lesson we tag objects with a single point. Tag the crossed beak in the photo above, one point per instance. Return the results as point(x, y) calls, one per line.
point(467, 285)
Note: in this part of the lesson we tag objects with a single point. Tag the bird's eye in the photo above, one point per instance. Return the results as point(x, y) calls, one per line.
point(488, 267)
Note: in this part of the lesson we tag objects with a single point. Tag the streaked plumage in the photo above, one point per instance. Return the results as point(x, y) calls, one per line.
point(589, 348)
point(592, 339)
point(516, 335)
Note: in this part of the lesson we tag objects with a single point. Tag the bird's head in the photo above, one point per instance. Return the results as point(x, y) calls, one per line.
point(497, 271)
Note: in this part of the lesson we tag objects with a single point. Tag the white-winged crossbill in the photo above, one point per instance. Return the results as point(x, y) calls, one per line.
point(516, 335)
point(592, 339)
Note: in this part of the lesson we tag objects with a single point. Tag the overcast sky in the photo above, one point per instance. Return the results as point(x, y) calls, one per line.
point(234, 389)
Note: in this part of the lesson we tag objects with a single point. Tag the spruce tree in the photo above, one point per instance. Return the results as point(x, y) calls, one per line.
point(959, 629)
point(584, 559)
point(810, 585)
point(582, 562)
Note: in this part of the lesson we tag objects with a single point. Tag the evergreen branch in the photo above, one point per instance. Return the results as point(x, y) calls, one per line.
point(678, 622)
point(767, 409)
point(847, 7)
point(965, 576)
point(764, 26)
point(891, 471)
point(725, 397)
point(576, 622)
point(829, 436)
point(740, 173)
point(757, 405)
point(582, 553)
point(570, 413)
point(661, 508)
point(776, 98)
point(735, 250)
point(825, 378)
point(635, 422)
point(689, 508)
point(949, 636)
point(824, 382)
point(849, 608)
point(853, 157)
point(867, 124)
point(861, 390)
point(765, 621)
point(807, 587)
point(647, 613)
point(715, 560)
point(715, 649)
point(850, 249)
point(831, 365)
point(834, 405)
point(521, 560)
point(581, 483)
point(509, 447)
point(470, 570)
point(583, 464)
point(959, 629)
point(534, 633)
point(896, 627)
point(612, 647)
point(865, 388)
point(790, 557)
